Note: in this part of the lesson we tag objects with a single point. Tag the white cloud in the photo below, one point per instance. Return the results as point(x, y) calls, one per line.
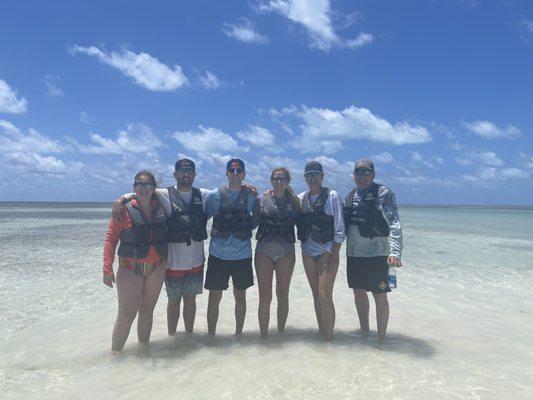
point(259, 137)
point(489, 130)
point(488, 176)
point(526, 25)
point(13, 140)
point(527, 160)
point(210, 81)
point(34, 162)
point(383, 158)
point(486, 158)
point(324, 129)
point(315, 16)
point(430, 162)
point(245, 32)
point(207, 140)
point(9, 102)
point(85, 118)
point(145, 70)
point(51, 84)
point(138, 138)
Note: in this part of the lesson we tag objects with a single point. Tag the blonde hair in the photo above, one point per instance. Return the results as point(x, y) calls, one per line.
point(288, 191)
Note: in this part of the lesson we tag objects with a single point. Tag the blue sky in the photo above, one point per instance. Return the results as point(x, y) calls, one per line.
point(439, 93)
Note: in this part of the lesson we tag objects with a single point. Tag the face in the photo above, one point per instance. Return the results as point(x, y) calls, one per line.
point(185, 176)
point(235, 175)
point(314, 180)
point(279, 181)
point(143, 187)
point(363, 178)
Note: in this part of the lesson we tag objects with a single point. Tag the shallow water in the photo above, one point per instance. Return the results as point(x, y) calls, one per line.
point(460, 327)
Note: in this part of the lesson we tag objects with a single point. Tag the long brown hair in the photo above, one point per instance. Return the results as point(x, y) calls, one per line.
point(150, 177)
point(289, 191)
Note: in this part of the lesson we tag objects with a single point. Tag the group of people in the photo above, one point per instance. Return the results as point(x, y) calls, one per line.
point(160, 234)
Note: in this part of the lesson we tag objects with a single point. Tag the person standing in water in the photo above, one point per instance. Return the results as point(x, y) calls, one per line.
point(374, 243)
point(184, 206)
point(142, 257)
point(274, 251)
point(235, 213)
point(321, 231)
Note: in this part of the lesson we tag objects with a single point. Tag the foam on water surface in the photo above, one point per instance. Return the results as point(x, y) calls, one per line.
point(460, 327)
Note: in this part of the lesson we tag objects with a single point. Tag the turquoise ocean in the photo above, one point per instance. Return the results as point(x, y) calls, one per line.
point(461, 323)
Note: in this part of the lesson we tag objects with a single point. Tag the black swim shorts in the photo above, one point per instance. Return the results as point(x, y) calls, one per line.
point(368, 273)
point(219, 271)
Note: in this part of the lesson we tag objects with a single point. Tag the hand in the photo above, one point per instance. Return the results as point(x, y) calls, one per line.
point(266, 192)
point(119, 210)
point(394, 261)
point(109, 279)
point(333, 263)
point(251, 188)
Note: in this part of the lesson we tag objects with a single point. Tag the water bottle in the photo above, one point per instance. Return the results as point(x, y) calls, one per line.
point(392, 277)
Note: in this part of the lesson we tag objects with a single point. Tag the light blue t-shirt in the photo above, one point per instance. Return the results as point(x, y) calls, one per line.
point(230, 248)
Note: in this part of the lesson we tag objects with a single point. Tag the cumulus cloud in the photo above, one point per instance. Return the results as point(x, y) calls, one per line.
point(245, 32)
point(145, 70)
point(207, 140)
point(9, 100)
point(489, 130)
point(13, 140)
point(138, 138)
point(315, 17)
point(51, 85)
point(34, 162)
point(487, 176)
point(527, 160)
point(383, 158)
point(485, 158)
point(323, 130)
point(259, 137)
point(85, 118)
point(210, 81)
point(430, 162)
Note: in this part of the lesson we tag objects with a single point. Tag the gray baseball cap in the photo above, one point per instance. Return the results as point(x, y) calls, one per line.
point(364, 163)
point(313, 167)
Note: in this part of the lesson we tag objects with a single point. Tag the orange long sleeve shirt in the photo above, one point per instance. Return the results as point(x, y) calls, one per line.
point(112, 238)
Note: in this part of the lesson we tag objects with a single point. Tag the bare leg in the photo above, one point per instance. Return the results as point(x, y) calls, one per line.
point(173, 315)
point(382, 313)
point(311, 272)
point(284, 269)
point(151, 290)
point(240, 309)
point(362, 306)
point(129, 289)
point(326, 280)
point(189, 312)
point(212, 310)
point(264, 271)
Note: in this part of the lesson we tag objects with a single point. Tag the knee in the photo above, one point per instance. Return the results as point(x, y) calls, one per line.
point(189, 301)
point(359, 294)
point(240, 296)
point(324, 295)
point(146, 308)
point(282, 294)
point(125, 318)
point(265, 298)
point(215, 297)
point(381, 298)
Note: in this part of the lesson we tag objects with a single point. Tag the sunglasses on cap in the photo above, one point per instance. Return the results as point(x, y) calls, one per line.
point(362, 172)
point(147, 185)
point(185, 170)
point(235, 170)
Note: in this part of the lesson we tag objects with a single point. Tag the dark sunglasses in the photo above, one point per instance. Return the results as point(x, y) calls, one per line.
point(362, 172)
point(279, 179)
point(312, 174)
point(147, 185)
point(235, 170)
point(185, 170)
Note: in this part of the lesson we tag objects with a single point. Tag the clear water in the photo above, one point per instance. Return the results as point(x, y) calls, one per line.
point(461, 322)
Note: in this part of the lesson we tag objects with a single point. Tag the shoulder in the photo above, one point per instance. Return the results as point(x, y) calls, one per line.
point(348, 197)
point(333, 194)
point(384, 191)
point(301, 195)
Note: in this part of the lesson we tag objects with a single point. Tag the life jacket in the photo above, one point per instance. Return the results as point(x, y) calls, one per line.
point(135, 242)
point(187, 221)
point(277, 220)
point(364, 213)
point(313, 221)
point(232, 218)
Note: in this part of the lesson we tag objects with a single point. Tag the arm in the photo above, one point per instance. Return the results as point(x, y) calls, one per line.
point(256, 211)
point(119, 211)
point(110, 244)
point(338, 229)
point(390, 213)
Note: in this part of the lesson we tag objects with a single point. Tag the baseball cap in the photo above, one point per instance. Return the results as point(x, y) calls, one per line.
point(184, 163)
point(313, 167)
point(364, 164)
point(235, 163)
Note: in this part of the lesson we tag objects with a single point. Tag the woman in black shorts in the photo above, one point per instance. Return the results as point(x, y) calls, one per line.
point(275, 247)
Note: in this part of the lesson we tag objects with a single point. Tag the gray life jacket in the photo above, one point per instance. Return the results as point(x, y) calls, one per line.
point(313, 221)
point(187, 221)
point(232, 218)
point(277, 219)
point(135, 242)
point(364, 213)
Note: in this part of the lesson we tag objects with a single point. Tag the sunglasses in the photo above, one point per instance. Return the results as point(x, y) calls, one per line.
point(279, 179)
point(185, 171)
point(147, 185)
point(362, 172)
point(312, 174)
point(235, 170)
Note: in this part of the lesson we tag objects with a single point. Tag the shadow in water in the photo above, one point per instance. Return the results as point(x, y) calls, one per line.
point(183, 344)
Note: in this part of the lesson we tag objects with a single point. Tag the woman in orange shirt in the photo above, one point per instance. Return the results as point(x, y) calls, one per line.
point(142, 260)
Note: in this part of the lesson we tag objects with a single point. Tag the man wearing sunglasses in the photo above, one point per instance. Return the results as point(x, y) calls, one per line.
point(184, 207)
point(235, 213)
point(374, 243)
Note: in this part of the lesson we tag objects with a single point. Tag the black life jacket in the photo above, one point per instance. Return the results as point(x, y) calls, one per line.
point(135, 242)
point(277, 220)
point(232, 218)
point(187, 221)
point(313, 221)
point(364, 213)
